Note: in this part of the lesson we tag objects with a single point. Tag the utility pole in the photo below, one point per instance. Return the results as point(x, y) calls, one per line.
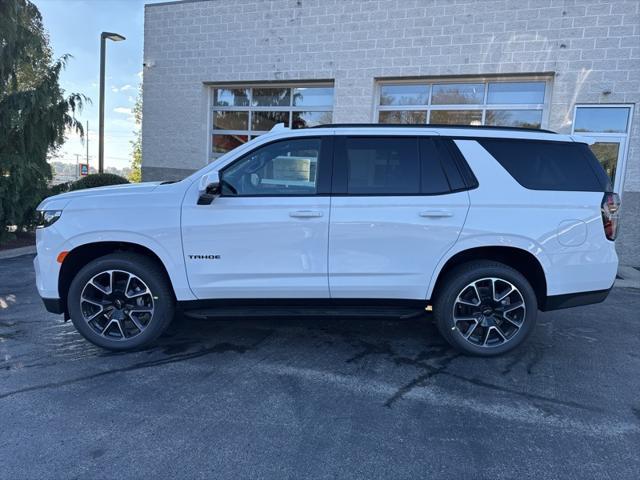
point(87, 137)
point(77, 166)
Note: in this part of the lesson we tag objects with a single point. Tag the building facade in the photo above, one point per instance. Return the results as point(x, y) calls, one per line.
point(219, 72)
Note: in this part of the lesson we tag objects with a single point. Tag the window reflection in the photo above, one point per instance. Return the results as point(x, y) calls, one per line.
point(266, 120)
point(404, 94)
point(516, 92)
point(227, 97)
point(601, 119)
point(607, 153)
point(226, 143)
point(230, 120)
point(408, 117)
point(456, 117)
point(271, 97)
point(457, 93)
point(514, 118)
point(312, 97)
point(310, 119)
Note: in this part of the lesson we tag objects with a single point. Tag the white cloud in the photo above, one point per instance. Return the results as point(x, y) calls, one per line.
point(123, 88)
point(123, 110)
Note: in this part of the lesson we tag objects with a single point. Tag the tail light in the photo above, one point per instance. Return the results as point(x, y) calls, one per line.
point(610, 209)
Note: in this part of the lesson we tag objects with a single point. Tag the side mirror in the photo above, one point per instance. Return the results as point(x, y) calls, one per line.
point(209, 188)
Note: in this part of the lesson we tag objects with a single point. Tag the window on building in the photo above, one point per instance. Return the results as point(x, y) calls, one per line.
point(242, 113)
point(501, 103)
point(609, 126)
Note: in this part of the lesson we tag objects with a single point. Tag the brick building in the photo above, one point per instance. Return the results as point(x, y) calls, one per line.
point(219, 72)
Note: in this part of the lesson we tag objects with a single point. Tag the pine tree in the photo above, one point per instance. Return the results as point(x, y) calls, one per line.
point(34, 113)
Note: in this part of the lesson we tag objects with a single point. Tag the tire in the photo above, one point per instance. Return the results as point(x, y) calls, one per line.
point(464, 323)
point(139, 307)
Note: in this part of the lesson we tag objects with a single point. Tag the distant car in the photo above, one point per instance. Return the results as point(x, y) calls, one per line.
point(484, 226)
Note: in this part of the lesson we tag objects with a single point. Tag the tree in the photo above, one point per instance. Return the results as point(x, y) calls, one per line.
point(136, 145)
point(34, 113)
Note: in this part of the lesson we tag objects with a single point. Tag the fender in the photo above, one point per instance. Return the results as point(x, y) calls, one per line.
point(173, 262)
point(513, 241)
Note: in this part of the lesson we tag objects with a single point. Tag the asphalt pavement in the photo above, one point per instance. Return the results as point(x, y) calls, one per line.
point(317, 398)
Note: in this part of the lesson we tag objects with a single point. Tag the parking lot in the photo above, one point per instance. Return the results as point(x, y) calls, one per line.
point(317, 398)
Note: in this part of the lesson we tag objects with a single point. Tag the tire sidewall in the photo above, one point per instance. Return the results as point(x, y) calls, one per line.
point(148, 272)
point(459, 279)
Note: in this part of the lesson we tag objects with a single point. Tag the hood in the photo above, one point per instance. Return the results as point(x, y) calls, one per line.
point(58, 202)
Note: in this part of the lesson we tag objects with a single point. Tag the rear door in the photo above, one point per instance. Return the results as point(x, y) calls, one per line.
point(398, 204)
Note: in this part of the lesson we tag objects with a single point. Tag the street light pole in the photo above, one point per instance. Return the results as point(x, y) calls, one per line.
point(103, 41)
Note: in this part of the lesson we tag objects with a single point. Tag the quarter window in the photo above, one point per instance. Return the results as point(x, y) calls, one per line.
point(281, 168)
point(240, 114)
point(540, 165)
point(499, 103)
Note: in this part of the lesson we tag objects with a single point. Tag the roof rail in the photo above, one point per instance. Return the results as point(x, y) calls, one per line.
point(430, 125)
point(279, 126)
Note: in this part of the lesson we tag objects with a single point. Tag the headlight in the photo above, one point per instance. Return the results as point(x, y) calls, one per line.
point(48, 217)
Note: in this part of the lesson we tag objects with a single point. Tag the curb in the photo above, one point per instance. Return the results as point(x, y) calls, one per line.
point(17, 252)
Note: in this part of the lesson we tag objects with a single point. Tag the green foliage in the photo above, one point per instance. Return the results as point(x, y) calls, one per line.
point(58, 189)
point(97, 180)
point(136, 145)
point(34, 113)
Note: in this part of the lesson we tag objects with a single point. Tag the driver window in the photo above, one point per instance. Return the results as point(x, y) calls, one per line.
point(282, 168)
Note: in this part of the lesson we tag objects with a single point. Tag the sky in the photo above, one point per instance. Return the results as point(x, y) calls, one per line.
point(74, 28)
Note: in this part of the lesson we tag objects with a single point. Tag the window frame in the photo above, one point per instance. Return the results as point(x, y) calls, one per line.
point(483, 107)
point(250, 133)
point(610, 137)
point(323, 171)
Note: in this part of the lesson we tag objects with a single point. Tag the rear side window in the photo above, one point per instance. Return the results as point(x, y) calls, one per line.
point(542, 165)
point(396, 166)
point(382, 166)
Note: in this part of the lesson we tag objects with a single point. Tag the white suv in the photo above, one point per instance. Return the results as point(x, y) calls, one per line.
point(484, 226)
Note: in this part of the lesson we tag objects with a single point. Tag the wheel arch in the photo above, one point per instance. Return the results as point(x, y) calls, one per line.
point(518, 258)
point(85, 253)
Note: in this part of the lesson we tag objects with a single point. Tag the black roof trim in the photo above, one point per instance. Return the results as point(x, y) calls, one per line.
point(430, 125)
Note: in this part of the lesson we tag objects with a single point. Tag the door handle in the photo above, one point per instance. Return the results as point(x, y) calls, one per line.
point(305, 213)
point(436, 213)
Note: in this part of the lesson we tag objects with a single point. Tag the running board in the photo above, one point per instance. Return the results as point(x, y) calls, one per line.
point(279, 311)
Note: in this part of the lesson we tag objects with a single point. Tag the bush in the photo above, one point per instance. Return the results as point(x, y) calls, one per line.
point(98, 180)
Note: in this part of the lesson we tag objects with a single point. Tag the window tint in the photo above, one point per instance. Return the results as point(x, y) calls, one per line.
point(383, 166)
point(540, 165)
point(281, 168)
point(434, 157)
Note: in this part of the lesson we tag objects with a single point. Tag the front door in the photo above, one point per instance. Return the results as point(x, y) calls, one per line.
point(266, 235)
point(399, 204)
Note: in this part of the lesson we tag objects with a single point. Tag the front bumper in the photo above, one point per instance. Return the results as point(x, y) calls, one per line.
point(568, 300)
point(54, 305)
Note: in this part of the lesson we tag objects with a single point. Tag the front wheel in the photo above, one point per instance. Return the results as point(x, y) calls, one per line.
point(485, 308)
point(121, 301)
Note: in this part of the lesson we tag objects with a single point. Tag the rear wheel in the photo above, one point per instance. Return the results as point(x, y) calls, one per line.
point(485, 308)
point(121, 301)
